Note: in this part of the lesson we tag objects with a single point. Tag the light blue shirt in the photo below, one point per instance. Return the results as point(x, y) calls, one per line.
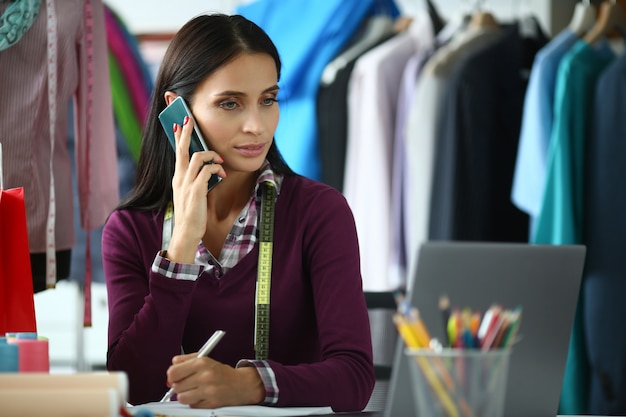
point(308, 35)
point(530, 167)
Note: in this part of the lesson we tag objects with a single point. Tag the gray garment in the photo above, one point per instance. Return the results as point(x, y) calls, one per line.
point(477, 141)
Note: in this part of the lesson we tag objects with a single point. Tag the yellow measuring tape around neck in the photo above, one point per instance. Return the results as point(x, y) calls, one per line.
point(264, 273)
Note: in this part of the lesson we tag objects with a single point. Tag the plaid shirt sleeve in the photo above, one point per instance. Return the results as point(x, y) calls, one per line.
point(164, 266)
point(267, 376)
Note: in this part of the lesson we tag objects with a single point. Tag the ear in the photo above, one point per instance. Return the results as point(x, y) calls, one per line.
point(169, 97)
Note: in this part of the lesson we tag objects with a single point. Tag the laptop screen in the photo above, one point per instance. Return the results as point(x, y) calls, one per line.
point(543, 279)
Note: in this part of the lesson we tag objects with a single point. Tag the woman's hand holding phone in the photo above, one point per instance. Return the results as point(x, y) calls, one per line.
point(174, 114)
point(189, 185)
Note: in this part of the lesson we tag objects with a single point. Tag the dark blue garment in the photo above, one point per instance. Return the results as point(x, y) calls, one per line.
point(308, 35)
point(477, 137)
point(605, 231)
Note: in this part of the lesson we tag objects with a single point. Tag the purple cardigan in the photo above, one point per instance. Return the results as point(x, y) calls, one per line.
point(320, 343)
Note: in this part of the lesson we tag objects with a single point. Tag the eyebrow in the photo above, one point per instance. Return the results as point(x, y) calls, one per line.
point(239, 93)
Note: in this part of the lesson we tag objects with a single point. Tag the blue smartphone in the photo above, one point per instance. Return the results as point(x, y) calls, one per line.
point(175, 113)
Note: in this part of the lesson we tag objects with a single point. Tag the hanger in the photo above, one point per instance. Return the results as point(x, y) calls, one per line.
point(435, 18)
point(377, 27)
point(583, 18)
point(481, 18)
point(528, 24)
point(610, 17)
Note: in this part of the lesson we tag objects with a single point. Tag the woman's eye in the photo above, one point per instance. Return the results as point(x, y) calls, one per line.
point(228, 105)
point(269, 101)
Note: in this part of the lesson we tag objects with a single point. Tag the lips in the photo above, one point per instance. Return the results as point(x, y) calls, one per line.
point(252, 150)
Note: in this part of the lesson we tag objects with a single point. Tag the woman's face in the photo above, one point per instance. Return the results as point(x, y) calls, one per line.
point(237, 111)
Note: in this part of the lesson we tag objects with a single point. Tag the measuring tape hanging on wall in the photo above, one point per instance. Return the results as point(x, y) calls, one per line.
point(264, 272)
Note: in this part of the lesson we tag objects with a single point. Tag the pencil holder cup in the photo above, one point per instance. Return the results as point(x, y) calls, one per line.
point(459, 382)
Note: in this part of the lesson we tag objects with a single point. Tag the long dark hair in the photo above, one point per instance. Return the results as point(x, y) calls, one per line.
point(199, 48)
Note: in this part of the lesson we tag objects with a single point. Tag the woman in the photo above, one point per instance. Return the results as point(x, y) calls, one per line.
point(173, 281)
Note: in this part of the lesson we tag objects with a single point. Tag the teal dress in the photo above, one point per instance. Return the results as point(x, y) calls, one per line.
point(560, 219)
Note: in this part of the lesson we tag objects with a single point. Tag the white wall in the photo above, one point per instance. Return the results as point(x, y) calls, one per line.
point(166, 16)
point(553, 15)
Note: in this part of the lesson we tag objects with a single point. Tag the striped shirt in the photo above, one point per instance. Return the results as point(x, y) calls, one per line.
point(25, 122)
point(239, 242)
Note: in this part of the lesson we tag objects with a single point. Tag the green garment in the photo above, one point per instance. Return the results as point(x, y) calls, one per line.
point(18, 17)
point(560, 219)
point(127, 120)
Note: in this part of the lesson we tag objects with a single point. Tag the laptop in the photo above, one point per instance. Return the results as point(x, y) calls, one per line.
point(543, 279)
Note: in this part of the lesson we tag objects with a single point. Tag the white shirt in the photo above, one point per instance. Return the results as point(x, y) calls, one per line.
point(372, 99)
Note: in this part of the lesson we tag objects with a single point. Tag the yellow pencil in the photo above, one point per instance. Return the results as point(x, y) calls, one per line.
point(412, 340)
point(423, 337)
point(418, 334)
point(418, 327)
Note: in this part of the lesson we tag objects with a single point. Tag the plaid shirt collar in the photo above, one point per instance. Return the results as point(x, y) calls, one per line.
point(244, 233)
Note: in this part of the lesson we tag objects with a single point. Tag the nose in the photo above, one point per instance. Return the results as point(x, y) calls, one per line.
point(254, 122)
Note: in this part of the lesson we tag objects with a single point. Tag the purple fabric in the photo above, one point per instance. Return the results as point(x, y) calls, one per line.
point(265, 371)
point(133, 45)
point(320, 343)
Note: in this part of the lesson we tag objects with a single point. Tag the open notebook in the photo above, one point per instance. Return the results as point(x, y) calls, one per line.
point(543, 279)
point(173, 408)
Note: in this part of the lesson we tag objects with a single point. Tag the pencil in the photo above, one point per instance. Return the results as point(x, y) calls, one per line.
point(444, 307)
point(509, 337)
point(419, 329)
point(412, 340)
point(401, 301)
point(204, 351)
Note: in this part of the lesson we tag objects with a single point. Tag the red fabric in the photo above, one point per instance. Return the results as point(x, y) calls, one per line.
point(17, 305)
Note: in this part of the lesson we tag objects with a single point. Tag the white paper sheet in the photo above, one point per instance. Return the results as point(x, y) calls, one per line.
point(175, 409)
